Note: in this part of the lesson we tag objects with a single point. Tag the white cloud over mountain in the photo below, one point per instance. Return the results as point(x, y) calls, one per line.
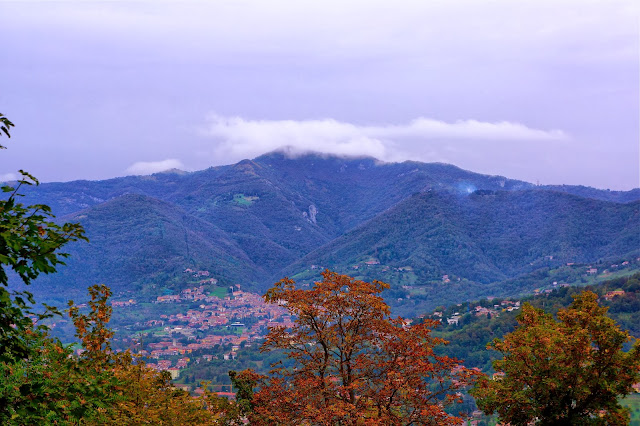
point(149, 167)
point(8, 177)
point(237, 137)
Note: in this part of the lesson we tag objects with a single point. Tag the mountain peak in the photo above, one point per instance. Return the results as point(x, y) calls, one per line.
point(293, 153)
point(173, 171)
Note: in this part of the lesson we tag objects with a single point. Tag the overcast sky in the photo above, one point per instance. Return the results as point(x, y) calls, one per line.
point(537, 90)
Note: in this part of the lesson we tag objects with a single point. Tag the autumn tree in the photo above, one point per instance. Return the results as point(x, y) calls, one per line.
point(567, 372)
point(98, 386)
point(129, 391)
point(352, 363)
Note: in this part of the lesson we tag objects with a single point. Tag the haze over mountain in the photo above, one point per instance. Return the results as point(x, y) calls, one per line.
point(257, 220)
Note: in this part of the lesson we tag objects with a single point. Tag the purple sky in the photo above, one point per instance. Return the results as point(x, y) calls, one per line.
point(537, 90)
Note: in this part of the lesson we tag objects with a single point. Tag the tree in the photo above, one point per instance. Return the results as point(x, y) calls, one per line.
point(237, 413)
point(30, 244)
point(5, 126)
point(98, 387)
point(566, 372)
point(42, 381)
point(352, 363)
point(125, 390)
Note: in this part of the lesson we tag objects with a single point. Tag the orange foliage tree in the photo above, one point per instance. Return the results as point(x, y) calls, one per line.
point(352, 363)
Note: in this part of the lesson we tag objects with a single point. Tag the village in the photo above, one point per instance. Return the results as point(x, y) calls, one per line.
point(215, 325)
point(215, 330)
point(498, 306)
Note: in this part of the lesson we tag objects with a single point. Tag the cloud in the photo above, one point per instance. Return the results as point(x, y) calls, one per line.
point(537, 63)
point(147, 168)
point(238, 138)
point(8, 177)
point(337, 28)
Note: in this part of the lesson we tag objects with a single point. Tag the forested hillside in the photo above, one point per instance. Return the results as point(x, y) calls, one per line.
point(481, 321)
point(488, 236)
point(418, 226)
point(436, 244)
point(138, 239)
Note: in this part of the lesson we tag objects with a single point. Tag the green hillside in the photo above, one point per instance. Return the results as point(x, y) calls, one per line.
point(258, 220)
point(143, 244)
point(598, 194)
point(437, 244)
point(468, 338)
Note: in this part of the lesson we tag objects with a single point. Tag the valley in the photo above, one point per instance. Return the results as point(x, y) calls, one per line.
point(189, 255)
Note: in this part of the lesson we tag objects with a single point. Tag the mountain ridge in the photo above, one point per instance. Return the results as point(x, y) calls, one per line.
point(254, 221)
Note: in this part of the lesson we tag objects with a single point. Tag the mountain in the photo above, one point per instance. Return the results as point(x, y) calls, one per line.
point(138, 242)
point(254, 221)
point(598, 194)
point(485, 237)
point(277, 209)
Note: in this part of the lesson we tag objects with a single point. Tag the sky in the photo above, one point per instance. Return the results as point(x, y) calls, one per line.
point(543, 91)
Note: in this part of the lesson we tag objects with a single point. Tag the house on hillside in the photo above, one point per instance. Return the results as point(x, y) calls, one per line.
point(610, 295)
point(453, 320)
point(167, 299)
point(129, 302)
